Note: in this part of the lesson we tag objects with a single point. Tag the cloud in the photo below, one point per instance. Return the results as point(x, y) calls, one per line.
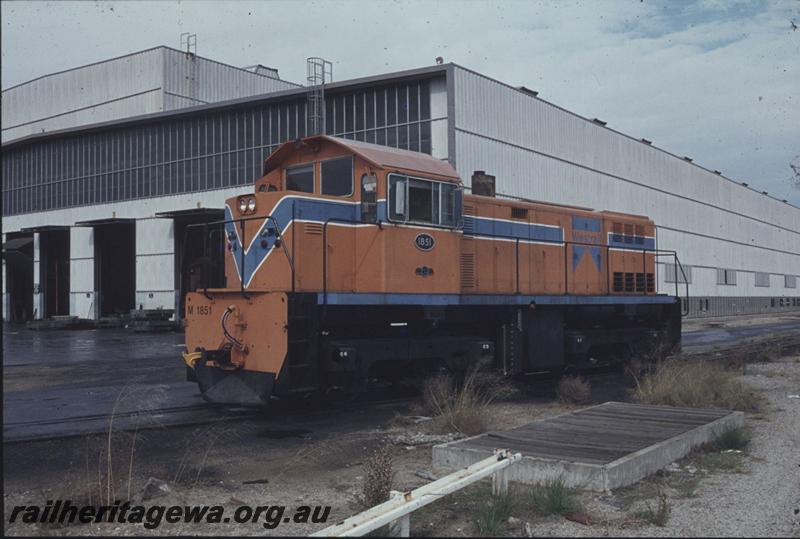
point(716, 80)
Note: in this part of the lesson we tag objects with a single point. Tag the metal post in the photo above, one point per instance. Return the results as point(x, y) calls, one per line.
point(517, 257)
point(241, 281)
point(205, 259)
point(293, 235)
point(500, 482)
point(644, 270)
point(402, 526)
point(609, 288)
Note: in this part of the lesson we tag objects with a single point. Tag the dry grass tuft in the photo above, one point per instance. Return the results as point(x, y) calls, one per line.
point(461, 406)
point(379, 477)
point(695, 384)
point(573, 390)
point(658, 515)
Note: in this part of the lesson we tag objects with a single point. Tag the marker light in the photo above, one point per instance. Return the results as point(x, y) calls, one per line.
point(251, 204)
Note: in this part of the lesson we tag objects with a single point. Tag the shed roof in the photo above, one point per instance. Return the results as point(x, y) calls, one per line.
point(380, 156)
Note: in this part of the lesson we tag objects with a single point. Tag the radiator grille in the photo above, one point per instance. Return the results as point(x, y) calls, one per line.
point(467, 270)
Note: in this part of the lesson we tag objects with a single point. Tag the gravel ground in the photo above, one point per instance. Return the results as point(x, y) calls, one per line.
point(762, 500)
point(324, 467)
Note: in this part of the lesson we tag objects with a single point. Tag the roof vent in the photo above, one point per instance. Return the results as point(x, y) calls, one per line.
point(784, 200)
point(764, 193)
point(260, 69)
point(598, 121)
point(687, 158)
point(646, 141)
point(526, 90)
point(718, 172)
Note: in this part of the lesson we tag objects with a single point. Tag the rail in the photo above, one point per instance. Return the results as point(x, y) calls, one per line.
point(397, 511)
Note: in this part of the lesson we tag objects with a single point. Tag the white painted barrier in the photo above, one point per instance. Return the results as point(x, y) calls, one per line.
point(397, 511)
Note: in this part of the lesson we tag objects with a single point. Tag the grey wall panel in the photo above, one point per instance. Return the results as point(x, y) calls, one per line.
point(52, 96)
point(207, 81)
point(499, 112)
point(134, 105)
point(111, 90)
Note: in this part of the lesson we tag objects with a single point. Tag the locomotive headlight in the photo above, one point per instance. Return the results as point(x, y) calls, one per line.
point(242, 205)
point(251, 204)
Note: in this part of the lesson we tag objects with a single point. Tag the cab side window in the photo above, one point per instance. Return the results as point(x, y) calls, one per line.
point(423, 201)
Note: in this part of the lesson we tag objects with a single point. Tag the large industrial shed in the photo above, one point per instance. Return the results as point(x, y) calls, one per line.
point(101, 209)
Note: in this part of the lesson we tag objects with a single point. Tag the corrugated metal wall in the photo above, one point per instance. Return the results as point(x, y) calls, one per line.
point(118, 88)
point(206, 81)
point(539, 151)
point(123, 87)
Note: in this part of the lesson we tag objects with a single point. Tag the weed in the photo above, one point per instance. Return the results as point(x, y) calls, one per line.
point(728, 462)
point(658, 515)
point(458, 406)
point(768, 353)
point(379, 477)
point(573, 390)
point(494, 513)
point(695, 384)
point(731, 438)
point(554, 497)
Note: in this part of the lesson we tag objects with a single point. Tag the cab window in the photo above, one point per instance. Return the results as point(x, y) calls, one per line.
point(300, 178)
point(423, 201)
point(337, 176)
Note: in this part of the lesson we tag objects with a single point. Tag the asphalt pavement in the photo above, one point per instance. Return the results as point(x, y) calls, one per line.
point(69, 382)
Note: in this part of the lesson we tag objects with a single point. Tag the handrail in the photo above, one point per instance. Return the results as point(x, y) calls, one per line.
point(609, 288)
point(396, 511)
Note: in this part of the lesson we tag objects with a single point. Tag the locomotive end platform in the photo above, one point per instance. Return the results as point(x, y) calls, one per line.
point(599, 448)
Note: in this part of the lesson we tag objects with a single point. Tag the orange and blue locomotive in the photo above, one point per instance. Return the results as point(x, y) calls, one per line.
point(352, 262)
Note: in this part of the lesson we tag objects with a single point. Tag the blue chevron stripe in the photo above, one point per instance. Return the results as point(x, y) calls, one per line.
point(307, 209)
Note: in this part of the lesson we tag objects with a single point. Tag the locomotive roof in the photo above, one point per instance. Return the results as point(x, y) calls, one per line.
point(379, 156)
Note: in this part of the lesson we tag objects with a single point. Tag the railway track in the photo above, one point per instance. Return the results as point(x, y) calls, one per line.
point(607, 381)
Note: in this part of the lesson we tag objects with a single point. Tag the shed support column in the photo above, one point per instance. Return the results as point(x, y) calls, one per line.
point(82, 293)
point(6, 295)
point(38, 296)
point(155, 264)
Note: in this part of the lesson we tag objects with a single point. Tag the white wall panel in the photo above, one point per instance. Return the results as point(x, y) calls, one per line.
point(38, 297)
point(155, 263)
point(81, 273)
point(494, 110)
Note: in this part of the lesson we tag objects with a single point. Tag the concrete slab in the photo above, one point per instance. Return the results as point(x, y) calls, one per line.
point(599, 448)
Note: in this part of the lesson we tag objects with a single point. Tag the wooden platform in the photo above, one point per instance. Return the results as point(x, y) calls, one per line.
point(597, 448)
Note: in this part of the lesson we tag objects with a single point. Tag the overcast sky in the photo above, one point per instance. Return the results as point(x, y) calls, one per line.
point(717, 80)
